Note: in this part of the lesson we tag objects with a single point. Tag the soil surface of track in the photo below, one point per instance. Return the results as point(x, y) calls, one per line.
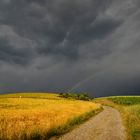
point(107, 125)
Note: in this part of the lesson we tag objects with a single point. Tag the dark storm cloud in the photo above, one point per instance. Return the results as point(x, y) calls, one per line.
point(65, 44)
point(10, 54)
point(75, 23)
point(59, 27)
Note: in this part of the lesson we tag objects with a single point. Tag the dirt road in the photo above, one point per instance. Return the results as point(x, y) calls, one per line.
point(107, 125)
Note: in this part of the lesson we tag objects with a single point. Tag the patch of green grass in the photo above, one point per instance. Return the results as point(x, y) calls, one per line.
point(130, 100)
point(135, 133)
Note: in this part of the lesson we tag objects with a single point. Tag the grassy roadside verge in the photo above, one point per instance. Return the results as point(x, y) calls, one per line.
point(129, 109)
point(71, 124)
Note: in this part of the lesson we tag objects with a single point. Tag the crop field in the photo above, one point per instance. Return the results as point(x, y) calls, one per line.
point(126, 100)
point(39, 116)
point(129, 107)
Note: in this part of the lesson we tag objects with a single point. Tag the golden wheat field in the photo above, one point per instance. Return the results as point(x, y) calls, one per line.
point(28, 113)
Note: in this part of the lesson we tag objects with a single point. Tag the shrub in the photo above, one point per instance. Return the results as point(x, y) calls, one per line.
point(83, 96)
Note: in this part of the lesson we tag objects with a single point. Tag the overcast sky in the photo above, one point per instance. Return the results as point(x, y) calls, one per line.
point(70, 45)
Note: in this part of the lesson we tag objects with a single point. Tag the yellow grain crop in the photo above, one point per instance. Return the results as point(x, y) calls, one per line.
point(20, 115)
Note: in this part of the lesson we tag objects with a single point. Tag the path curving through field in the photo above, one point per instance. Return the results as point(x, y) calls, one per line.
point(107, 125)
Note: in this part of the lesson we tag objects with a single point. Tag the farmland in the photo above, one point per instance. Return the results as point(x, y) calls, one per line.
point(126, 100)
point(40, 116)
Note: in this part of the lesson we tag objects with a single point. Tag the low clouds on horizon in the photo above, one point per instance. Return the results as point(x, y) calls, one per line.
point(57, 45)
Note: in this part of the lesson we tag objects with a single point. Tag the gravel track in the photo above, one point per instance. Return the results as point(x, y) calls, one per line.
point(107, 125)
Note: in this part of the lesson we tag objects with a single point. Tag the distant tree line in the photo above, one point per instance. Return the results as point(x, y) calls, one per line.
point(82, 96)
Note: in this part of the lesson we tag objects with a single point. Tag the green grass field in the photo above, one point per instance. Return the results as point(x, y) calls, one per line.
point(129, 107)
point(40, 116)
point(126, 100)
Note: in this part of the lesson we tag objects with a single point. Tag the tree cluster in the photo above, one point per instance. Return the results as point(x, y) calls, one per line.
point(82, 96)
